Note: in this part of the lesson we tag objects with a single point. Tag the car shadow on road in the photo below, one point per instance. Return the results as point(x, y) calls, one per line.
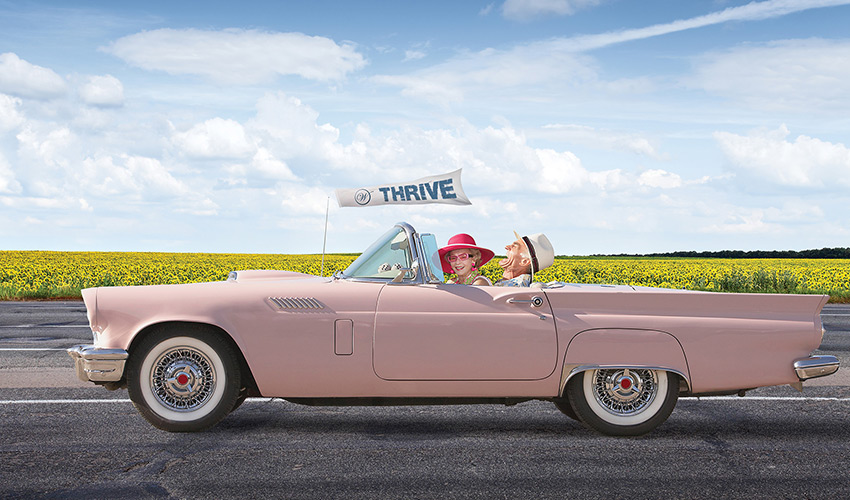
point(700, 421)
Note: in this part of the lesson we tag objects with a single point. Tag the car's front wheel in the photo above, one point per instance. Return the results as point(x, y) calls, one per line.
point(183, 379)
point(563, 404)
point(623, 401)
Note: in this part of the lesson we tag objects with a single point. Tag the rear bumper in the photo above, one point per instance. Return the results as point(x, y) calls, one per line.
point(815, 366)
point(94, 364)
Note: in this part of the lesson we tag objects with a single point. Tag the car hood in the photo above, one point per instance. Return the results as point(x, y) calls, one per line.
point(265, 275)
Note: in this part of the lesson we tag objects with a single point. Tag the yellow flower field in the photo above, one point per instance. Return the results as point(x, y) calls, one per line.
point(28, 274)
point(32, 274)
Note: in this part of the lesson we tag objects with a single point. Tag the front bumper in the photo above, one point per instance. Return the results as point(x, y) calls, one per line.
point(815, 366)
point(95, 364)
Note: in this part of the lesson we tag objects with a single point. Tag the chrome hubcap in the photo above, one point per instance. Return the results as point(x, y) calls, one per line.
point(182, 379)
point(624, 392)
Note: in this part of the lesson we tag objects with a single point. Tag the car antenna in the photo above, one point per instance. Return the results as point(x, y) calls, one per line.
point(325, 239)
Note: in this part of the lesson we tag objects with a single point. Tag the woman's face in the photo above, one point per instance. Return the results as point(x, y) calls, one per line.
point(461, 261)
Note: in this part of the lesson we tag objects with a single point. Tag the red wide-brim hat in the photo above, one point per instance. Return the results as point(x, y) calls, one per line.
point(459, 242)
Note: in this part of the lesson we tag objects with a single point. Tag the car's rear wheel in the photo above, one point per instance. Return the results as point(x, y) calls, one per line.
point(623, 401)
point(243, 395)
point(183, 379)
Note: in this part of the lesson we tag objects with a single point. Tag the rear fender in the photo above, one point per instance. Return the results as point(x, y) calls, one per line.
point(624, 348)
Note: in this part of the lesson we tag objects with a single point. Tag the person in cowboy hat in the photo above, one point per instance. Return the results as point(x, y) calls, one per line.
point(463, 258)
point(525, 256)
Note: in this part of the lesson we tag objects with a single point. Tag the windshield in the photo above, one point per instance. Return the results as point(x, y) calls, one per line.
point(430, 247)
point(384, 258)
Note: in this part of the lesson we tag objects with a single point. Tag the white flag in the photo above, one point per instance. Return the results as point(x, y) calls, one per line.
point(444, 188)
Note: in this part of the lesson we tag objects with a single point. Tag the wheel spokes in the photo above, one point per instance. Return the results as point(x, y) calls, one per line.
point(623, 391)
point(182, 379)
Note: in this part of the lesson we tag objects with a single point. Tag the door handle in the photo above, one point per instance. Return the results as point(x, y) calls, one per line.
point(535, 301)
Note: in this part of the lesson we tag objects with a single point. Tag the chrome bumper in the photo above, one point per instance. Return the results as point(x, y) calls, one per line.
point(94, 364)
point(815, 366)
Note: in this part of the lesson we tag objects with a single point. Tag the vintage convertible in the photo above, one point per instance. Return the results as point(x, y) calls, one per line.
point(389, 331)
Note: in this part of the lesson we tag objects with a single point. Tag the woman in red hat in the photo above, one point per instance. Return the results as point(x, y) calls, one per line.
point(463, 258)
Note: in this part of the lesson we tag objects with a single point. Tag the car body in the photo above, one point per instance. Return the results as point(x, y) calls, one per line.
point(388, 330)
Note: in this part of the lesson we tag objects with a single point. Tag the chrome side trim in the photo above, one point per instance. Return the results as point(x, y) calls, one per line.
point(290, 303)
point(815, 366)
point(94, 364)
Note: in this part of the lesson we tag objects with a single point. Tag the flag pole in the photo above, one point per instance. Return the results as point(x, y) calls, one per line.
point(325, 239)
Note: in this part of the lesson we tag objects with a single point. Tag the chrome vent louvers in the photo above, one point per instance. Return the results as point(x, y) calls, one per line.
point(296, 303)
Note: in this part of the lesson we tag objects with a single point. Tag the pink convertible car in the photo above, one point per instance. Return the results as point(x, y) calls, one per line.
point(389, 331)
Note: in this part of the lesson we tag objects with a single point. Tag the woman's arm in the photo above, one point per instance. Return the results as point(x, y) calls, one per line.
point(482, 281)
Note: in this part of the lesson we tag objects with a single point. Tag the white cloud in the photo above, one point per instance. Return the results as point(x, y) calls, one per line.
point(412, 55)
point(8, 184)
point(526, 9)
point(290, 128)
point(270, 167)
point(554, 67)
point(659, 179)
point(796, 211)
point(215, 138)
point(598, 138)
point(496, 160)
point(301, 200)
point(48, 147)
point(530, 68)
point(23, 79)
point(753, 11)
point(238, 56)
point(151, 174)
point(486, 10)
point(204, 207)
point(134, 176)
point(43, 157)
point(10, 117)
point(262, 168)
point(103, 91)
point(61, 204)
point(422, 86)
point(805, 162)
point(559, 172)
point(744, 223)
point(294, 144)
point(785, 75)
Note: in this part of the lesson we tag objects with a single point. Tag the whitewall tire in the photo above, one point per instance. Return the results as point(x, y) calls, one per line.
point(623, 401)
point(184, 378)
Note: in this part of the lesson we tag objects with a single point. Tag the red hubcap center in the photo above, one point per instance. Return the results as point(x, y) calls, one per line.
point(624, 383)
point(182, 379)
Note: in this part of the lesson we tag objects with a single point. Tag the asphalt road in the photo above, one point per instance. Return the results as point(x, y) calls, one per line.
point(61, 438)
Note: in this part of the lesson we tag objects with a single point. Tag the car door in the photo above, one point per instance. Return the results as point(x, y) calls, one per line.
point(461, 332)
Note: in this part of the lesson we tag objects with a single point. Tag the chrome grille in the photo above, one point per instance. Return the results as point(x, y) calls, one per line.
point(289, 303)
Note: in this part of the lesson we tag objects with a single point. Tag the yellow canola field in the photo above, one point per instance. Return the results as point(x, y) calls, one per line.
point(725, 275)
point(33, 274)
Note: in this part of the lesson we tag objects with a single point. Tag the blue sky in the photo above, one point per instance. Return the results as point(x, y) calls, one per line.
point(613, 126)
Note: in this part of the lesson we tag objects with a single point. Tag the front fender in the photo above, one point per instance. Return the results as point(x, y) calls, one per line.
point(624, 348)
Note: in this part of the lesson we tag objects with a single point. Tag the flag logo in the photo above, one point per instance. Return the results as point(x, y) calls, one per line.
point(445, 188)
point(362, 197)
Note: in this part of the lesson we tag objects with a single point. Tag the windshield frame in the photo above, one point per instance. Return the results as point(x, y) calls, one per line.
point(419, 262)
